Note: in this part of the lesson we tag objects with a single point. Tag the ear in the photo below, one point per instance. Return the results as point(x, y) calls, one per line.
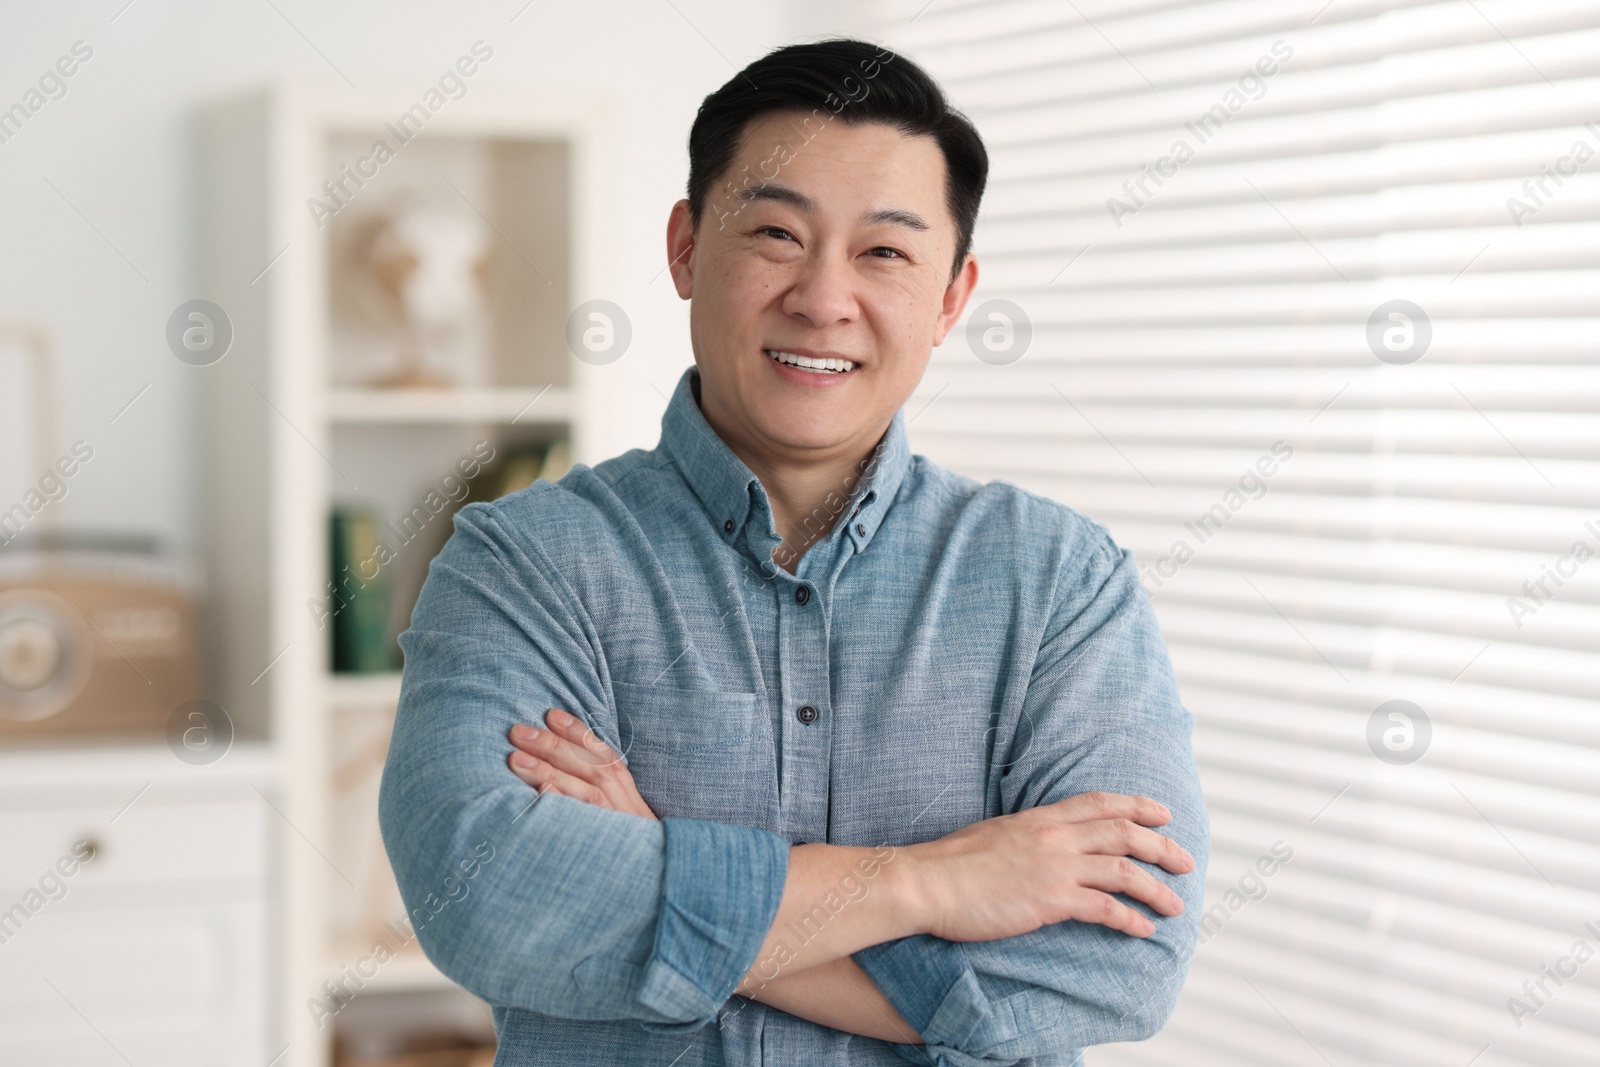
point(956, 295)
point(680, 248)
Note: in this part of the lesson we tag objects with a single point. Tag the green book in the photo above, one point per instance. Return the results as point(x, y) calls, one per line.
point(359, 594)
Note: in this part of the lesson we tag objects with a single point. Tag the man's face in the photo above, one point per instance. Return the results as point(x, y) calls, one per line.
point(837, 247)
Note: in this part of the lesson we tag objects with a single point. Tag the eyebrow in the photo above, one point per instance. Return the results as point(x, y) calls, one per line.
point(782, 194)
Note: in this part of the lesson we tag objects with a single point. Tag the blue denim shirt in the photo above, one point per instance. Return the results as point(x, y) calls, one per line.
point(948, 652)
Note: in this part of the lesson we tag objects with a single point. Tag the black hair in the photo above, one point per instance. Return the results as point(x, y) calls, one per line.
point(852, 80)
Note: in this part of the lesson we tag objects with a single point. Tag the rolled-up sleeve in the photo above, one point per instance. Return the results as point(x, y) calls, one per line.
point(1102, 713)
point(548, 904)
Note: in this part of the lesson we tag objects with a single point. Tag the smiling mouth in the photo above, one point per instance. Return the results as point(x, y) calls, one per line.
point(806, 363)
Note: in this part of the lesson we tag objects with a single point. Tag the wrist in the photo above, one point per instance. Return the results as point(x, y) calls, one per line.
point(907, 881)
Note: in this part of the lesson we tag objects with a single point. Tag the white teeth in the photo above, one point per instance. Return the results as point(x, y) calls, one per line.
point(835, 366)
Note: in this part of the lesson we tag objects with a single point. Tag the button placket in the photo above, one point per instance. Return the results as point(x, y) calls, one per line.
point(807, 727)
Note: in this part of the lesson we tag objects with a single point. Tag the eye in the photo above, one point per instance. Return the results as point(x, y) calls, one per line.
point(775, 230)
point(883, 248)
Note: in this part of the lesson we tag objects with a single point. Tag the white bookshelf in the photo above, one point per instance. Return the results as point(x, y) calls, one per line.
point(356, 692)
point(287, 438)
point(408, 972)
point(497, 407)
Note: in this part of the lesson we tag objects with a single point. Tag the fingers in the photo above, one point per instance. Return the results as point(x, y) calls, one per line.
point(559, 757)
point(576, 730)
point(1102, 805)
point(1124, 837)
point(1118, 874)
point(542, 775)
point(573, 748)
point(573, 729)
point(1089, 906)
point(571, 757)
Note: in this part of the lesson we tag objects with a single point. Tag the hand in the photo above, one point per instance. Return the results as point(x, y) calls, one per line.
point(570, 759)
point(1015, 873)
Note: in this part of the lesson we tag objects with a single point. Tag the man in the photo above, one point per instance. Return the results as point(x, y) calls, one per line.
point(873, 746)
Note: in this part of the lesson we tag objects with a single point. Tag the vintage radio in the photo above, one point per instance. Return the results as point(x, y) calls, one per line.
point(97, 642)
point(97, 632)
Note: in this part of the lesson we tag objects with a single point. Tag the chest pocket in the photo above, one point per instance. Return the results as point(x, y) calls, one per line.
point(699, 753)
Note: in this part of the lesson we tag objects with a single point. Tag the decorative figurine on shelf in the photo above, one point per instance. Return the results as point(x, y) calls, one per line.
point(418, 275)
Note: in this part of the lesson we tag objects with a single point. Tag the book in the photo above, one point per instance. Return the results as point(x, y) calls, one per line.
point(359, 594)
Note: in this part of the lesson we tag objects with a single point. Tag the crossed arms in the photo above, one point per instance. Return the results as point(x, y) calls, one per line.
point(995, 879)
point(1003, 941)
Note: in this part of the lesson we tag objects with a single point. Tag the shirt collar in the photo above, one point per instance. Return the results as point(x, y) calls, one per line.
point(730, 493)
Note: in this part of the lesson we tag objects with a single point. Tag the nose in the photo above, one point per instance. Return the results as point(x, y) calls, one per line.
point(823, 292)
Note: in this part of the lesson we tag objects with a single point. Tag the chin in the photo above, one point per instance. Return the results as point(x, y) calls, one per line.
point(799, 433)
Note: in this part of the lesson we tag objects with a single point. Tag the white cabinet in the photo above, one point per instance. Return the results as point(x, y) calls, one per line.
point(134, 907)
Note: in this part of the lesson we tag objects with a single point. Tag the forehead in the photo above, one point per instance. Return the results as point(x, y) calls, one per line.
point(818, 162)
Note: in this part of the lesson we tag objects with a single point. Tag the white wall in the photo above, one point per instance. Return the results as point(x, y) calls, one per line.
point(120, 148)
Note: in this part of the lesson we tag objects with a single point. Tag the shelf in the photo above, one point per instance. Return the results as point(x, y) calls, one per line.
point(360, 691)
point(526, 405)
point(407, 971)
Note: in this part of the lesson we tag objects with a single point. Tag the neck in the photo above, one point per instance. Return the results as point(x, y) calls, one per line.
point(808, 489)
point(808, 499)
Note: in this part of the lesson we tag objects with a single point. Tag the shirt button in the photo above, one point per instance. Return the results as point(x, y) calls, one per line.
point(727, 527)
point(861, 529)
point(807, 714)
point(801, 595)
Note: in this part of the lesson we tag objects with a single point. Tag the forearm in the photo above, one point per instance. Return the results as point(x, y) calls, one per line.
point(836, 900)
point(839, 994)
point(532, 850)
point(583, 911)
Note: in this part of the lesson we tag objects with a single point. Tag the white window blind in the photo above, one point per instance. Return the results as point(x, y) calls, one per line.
point(1331, 516)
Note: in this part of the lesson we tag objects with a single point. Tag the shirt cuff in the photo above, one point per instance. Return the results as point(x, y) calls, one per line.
point(932, 986)
point(720, 893)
